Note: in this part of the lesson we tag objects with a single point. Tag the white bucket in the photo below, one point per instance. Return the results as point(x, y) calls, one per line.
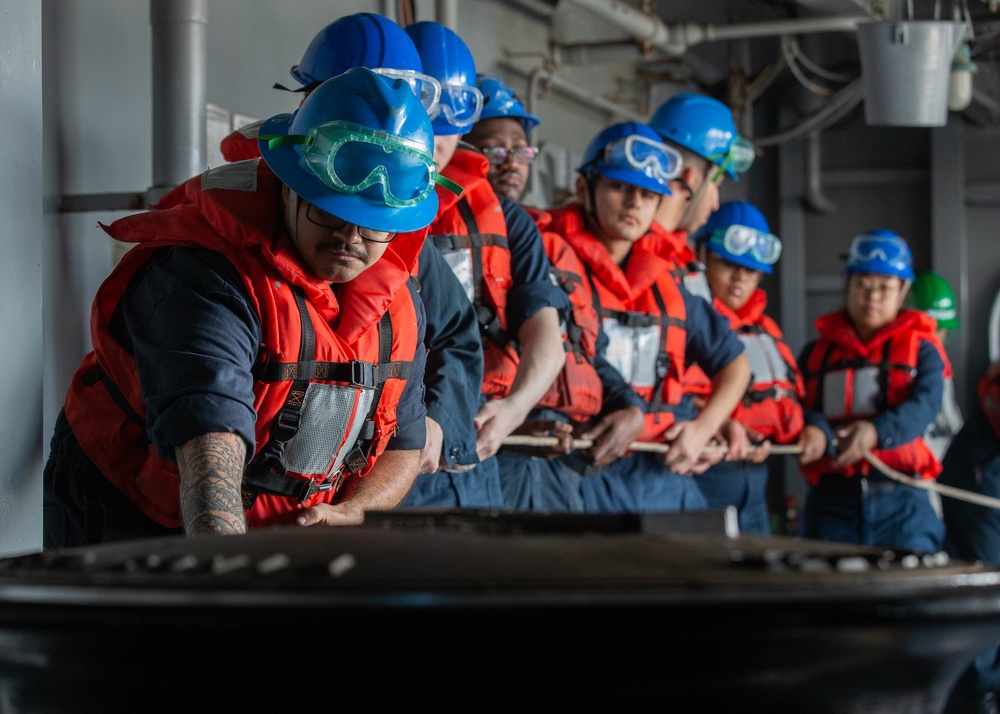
point(905, 67)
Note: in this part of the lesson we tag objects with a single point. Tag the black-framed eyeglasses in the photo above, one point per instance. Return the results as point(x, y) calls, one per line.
point(332, 223)
point(522, 154)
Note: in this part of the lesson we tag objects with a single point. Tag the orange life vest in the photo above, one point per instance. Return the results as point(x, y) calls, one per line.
point(241, 144)
point(642, 314)
point(577, 391)
point(471, 233)
point(324, 412)
point(847, 380)
point(685, 268)
point(772, 404)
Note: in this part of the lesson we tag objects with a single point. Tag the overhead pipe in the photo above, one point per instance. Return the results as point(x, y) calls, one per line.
point(542, 77)
point(387, 8)
point(814, 198)
point(447, 13)
point(179, 29)
point(676, 39)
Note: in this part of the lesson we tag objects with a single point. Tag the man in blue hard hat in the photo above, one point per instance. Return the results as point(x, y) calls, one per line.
point(454, 352)
point(590, 399)
point(496, 252)
point(258, 354)
point(655, 327)
point(703, 131)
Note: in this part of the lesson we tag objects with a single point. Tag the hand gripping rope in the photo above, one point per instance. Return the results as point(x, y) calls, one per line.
point(776, 450)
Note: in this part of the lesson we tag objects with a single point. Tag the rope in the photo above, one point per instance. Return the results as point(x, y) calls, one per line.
point(776, 449)
point(944, 490)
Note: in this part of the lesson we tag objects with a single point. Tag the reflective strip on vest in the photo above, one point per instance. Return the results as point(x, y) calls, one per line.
point(633, 351)
point(697, 285)
point(851, 393)
point(766, 363)
point(328, 413)
point(460, 262)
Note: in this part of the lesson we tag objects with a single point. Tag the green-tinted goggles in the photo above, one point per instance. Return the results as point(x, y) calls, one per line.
point(737, 160)
point(351, 158)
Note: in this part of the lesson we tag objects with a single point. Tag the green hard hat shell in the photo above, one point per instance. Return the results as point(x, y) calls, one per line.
point(932, 294)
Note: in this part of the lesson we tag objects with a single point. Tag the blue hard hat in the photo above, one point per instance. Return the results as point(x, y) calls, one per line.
point(499, 100)
point(700, 124)
point(360, 40)
point(879, 252)
point(447, 58)
point(739, 233)
point(608, 154)
point(360, 147)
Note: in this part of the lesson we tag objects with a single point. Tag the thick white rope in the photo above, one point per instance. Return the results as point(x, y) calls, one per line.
point(776, 449)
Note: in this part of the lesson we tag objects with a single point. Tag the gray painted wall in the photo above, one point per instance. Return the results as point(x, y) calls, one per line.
point(21, 182)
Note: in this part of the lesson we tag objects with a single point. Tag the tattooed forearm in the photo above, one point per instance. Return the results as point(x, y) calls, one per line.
point(211, 469)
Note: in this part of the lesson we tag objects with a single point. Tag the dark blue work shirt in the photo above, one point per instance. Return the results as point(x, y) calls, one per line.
point(195, 335)
point(711, 343)
point(906, 421)
point(533, 288)
point(454, 375)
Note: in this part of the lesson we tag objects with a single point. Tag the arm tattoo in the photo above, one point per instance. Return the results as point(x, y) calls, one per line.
point(211, 469)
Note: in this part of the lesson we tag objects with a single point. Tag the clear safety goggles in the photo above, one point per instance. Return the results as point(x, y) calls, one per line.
point(350, 158)
point(521, 154)
point(739, 240)
point(739, 158)
point(658, 161)
point(461, 104)
point(426, 88)
point(885, 248)
point(503, 100)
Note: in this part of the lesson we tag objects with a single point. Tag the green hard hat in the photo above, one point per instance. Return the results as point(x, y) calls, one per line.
point(932, 294)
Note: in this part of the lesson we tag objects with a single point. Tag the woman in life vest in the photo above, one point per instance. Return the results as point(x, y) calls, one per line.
point(874, 380)
point(738, 249)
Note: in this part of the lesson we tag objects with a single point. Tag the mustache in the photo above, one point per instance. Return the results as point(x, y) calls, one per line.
point(342, 247)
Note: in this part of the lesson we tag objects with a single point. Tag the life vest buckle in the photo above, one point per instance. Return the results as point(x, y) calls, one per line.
point(363, 374)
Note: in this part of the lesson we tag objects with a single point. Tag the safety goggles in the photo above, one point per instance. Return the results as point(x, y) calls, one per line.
point(521, 154)
point(739, 158)
point(426, 88)
point(332, 223)
point(658, 161)
point(739, 240)
point(461, 104)
point(885, 248)
point(350, 158)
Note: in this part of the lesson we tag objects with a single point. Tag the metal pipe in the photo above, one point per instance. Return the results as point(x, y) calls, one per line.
point(387, 8)
point(582, 53)
point(814, 197)
point(677, 39)
point(542, 76)
point(838, 105)
point(179, 29)
point(447, 13)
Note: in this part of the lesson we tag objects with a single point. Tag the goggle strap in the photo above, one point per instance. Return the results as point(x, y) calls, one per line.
point(276, 140)
point(307, 88)
point(448, 184)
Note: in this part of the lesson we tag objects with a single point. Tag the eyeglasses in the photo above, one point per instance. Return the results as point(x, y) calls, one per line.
point(656, 160)
point(868, 287)
point(351, 158)
point(498, 155)
point(461, 104)
point(332, 223)
point(738, 240)
point(426, 88)
point(739, 157)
